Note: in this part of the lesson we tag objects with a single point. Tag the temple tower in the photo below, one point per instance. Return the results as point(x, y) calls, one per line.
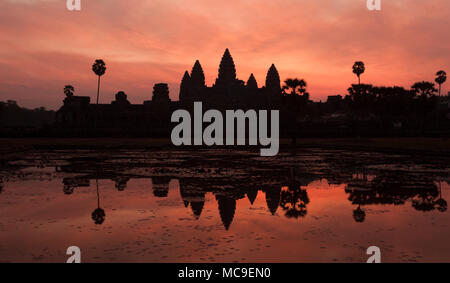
point(185, 94)
point(197, 75)
point(273, 86)
point(160, 93)
point(227, 70)
point(251, 83)
point(273, 83)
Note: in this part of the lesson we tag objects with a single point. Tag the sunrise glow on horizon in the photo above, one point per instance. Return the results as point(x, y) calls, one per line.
point(44, 46)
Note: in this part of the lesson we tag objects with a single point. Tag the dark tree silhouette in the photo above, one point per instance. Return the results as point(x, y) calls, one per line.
point(424, 89)
point(361, 99)
point(292, 85)
point(358, 69)
point(99, 68)
point(441, 77)
point(69, 90)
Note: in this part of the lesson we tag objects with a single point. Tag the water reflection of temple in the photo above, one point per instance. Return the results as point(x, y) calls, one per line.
point(192, 197)
point(288, 196)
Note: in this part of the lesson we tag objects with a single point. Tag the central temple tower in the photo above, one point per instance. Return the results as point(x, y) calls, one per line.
point(227, 70)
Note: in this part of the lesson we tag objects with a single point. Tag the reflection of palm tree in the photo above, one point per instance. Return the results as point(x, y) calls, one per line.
point(358, 69)
point(425, 200)
point(99, 68)
point(98, 215)
point(359, 215)
point(294, 201)
point(441, 203)
point(121, 183)
point(441, 77)
point(68, 189)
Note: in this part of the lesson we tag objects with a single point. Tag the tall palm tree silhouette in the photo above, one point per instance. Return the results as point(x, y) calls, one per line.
point(98, 215)
point(441, 77)
point(358, 69)
point(69, 90)
point(99, 68)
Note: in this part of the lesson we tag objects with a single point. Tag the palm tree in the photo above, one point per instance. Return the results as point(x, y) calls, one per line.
point(441, 77)
point(358, 69)
point(293, 85)
point(99, 69)
point(69, 90)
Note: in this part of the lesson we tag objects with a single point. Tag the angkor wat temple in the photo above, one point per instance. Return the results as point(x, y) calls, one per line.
point(366, 111)
point(78, 116)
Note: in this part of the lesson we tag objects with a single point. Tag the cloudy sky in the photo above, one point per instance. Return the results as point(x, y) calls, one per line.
point(43, 46)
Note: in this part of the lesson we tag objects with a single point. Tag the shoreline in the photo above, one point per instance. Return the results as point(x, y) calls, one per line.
point(419, 144)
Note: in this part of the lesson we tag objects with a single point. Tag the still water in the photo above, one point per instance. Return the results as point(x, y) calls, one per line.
point(312, 205)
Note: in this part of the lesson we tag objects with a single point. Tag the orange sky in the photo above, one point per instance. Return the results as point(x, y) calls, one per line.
point(43, 46)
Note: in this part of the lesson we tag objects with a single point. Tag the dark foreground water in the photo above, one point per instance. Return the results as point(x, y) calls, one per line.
point(312, 205)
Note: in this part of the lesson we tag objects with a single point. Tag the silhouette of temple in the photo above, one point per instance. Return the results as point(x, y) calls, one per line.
point(366, 111)
point(79, 116)
point(228, 90)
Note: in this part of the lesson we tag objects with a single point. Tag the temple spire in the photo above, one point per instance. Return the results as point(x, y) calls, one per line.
point(184, 87)
point(273, 79)
point(197, 75)
point(227, 70)
point(251, 83)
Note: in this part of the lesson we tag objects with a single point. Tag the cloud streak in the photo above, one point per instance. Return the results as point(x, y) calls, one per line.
point(44, 46)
